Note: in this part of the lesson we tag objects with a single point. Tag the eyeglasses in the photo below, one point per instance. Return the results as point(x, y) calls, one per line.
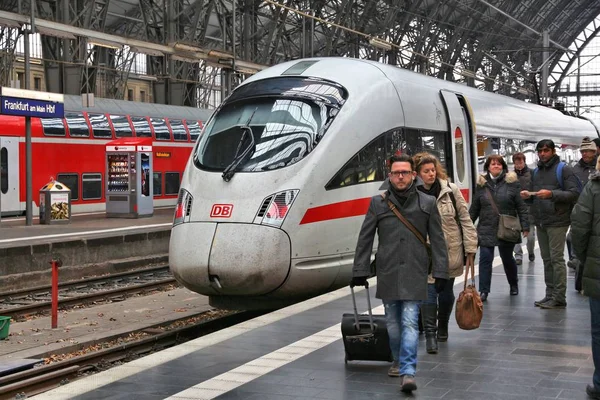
point(397, 174)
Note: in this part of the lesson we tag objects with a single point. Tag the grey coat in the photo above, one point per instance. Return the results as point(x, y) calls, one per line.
point(583, 170)
point(402, 260)
point(585, 229)
point(555, 211)
point(506, 193)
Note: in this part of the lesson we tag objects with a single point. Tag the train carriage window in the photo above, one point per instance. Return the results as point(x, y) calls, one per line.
point(141, 126)
point(161, 130)
point(77, 125)
point(157, 183)
point(100, 126)
point(172, 183)
point(121, 125)
point(370, 163)
point(91, 186)
point(72, 182)
point(53, 126)
point(195, 128)
point(287, 116)
point(178, 129)
point(4, 170)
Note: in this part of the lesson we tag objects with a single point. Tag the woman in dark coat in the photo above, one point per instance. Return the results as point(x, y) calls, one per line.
point(504, 189)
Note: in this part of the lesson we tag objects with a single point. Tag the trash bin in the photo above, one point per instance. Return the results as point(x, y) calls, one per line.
point(55, 203)
point(4, 327)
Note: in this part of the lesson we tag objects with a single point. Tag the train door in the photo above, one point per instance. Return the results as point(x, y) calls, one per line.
point(9, 175)
point(462, 133)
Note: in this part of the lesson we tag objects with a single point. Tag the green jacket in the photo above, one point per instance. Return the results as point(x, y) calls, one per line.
point(585, 229)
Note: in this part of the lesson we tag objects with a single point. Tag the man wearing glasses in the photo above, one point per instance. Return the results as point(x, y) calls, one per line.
point(402, 260)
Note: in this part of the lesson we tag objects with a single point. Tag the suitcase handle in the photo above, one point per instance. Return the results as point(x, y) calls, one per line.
point(356, 324)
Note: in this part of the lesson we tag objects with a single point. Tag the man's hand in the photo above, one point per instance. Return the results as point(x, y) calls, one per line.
point(440, 284)
point(525, 233)
point(359, 281)
point(544, 194)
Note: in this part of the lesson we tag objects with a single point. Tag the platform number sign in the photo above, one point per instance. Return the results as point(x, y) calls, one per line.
point(221, 210)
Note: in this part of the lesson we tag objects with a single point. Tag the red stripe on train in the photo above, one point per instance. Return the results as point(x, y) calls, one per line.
point(344, 209)
point(465, 193)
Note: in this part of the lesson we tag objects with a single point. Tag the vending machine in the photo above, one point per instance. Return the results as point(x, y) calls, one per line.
point(129, 191)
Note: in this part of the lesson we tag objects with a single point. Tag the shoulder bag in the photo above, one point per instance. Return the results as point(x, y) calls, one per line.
point(469, 308)
point(412, 228)
point(509, 227)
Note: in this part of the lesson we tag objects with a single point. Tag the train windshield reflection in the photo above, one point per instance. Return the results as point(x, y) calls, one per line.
point(286, 125)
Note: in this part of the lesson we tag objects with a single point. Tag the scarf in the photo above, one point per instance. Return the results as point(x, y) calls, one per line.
point(434, 190)
point(402, 195)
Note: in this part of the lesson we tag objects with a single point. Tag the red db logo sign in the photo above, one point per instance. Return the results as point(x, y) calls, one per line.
point(221, 210)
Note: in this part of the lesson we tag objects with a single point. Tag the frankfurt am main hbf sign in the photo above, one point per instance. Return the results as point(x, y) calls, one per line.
point(31, 103)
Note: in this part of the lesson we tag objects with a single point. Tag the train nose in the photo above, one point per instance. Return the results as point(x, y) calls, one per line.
point(230, 258)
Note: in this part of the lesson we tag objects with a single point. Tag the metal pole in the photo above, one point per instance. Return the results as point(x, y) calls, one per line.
point(55, 264)
point(578, 83)
point(28, 156)
point(544, 83)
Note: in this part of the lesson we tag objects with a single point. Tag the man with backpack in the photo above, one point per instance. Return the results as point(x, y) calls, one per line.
point(553, 191)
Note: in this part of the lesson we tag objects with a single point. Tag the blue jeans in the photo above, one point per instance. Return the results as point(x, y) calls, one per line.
point(486, 259)
point(595, 311)
point(402, 318)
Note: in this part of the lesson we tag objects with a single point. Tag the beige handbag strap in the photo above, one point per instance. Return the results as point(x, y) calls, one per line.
point(405, 221)
point(492, 201)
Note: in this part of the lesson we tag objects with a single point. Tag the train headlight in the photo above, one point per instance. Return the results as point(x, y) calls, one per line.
point(183, 207)
point(275, 207)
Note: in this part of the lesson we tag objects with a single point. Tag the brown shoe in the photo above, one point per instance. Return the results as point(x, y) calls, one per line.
point(408, 383)
point(553, 305)
point(394, 371)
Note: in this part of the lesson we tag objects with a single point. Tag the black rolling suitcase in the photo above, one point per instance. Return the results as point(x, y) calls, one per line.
point(365, 336)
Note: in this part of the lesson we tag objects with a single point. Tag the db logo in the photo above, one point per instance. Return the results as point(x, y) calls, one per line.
point(221, 210)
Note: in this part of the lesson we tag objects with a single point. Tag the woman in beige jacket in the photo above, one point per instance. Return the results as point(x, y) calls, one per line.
point(461, 238)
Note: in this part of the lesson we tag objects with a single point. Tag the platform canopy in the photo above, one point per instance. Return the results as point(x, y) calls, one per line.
point(197, 46)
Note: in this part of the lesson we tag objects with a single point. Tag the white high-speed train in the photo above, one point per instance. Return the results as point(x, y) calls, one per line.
point(274, 194)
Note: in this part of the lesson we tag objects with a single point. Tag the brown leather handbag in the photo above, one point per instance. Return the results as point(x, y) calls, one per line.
point(469, 308)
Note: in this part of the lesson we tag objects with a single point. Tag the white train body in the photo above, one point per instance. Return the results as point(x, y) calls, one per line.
point(224, 246)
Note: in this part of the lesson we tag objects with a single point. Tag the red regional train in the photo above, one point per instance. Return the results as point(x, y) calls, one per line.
point(72, 149)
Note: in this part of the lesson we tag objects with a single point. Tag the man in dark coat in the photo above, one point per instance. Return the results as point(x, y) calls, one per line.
point(402, 261)
point(551, 205)
point(584, 167)
point(524, 174)
point(585, 228)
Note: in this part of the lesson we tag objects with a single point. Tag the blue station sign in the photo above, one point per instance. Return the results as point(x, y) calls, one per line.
point(31, 103)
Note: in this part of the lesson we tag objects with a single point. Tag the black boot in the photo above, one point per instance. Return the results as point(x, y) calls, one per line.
point(429, 312)
point(443, 317)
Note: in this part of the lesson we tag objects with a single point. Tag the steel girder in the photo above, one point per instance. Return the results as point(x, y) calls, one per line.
point(436, 37)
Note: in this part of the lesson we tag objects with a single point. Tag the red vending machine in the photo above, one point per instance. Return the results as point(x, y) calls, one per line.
point(129, 192)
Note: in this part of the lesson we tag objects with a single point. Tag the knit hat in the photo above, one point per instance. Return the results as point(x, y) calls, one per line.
point(587, 144)
point(597, 141)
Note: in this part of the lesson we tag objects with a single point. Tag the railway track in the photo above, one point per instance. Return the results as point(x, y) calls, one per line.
point(38, 380)
point(115, 287)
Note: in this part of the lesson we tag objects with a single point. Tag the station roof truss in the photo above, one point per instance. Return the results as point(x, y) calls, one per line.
point(195, 45)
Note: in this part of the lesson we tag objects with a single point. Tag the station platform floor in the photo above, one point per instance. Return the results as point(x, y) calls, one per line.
point(14, 232)
point(519, 352)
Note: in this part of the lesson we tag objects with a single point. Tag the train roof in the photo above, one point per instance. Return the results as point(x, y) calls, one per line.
point(122, 107)
point(494, 114)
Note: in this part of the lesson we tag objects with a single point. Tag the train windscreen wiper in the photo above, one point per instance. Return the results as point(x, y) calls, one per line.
point(239, 157)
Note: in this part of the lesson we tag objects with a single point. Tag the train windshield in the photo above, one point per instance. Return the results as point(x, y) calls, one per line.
point(287, 117)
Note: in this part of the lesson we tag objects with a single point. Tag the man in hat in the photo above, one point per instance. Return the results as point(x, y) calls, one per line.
point(584, 167)
point(597, 142)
